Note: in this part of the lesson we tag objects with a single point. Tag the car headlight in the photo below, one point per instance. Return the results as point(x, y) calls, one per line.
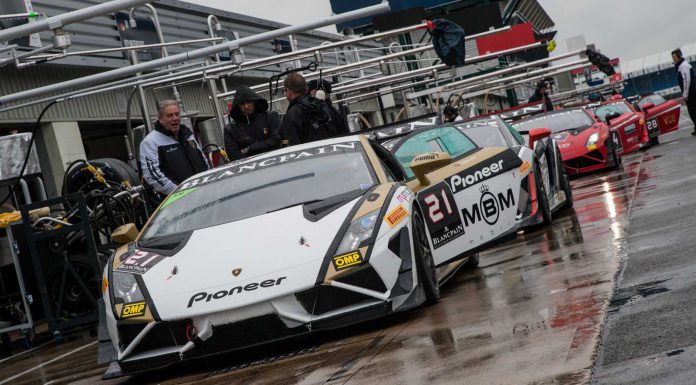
point(125, 288)
point(358, 231)
point(592, 141)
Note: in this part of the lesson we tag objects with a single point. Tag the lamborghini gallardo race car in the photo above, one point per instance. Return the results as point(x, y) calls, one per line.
point(630, 125)
point(661, 116)
point(310, 237)
point(547, 187)
point(586, 144)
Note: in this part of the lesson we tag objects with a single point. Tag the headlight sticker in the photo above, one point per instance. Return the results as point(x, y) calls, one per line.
point(135, 309)
point(396, 215)
point(344, 261)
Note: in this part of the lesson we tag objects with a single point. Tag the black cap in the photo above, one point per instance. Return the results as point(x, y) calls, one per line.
point(314, 85)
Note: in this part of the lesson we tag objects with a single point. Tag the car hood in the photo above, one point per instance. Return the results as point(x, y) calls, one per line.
point(283, 249)
point(572, 139)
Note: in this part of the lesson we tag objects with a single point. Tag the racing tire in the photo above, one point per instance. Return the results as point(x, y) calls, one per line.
point(427, 273)
point(654, 140)
point(542, 198)
point(615, 159)
point(472, 262)
point(567, 190)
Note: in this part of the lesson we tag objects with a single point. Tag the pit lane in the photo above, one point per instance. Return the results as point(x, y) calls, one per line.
point(532, 313)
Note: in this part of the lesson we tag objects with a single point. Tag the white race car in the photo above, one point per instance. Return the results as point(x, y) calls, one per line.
point(309, 237)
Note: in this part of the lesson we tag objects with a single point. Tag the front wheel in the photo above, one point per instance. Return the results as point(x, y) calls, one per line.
point(427, 274)
point(542, 198)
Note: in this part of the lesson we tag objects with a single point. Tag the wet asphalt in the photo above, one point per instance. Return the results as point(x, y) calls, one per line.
point(650, 331)
point(603, 295)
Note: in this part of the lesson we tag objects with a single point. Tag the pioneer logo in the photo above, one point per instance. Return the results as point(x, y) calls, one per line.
point(489, 207)
point(237, 289)
point(459, 183)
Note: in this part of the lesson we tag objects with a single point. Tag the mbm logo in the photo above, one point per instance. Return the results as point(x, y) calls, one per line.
point(489, 207)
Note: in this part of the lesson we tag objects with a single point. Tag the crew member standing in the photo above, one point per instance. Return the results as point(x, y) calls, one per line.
point(542, 94)
point(339, 124)
point(170, 153)
point(686, 84)
point(305, 120)
point(252, 129)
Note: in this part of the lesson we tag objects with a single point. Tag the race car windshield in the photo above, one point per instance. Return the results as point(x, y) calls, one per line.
point(216, 199)
point(654, 99)
point(603, 111)
point(571, 120)
point(485, 133)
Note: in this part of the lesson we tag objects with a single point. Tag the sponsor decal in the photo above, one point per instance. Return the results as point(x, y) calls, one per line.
point(525, 166)
point(444, 223)
point(429, 156)
point(135, 309)
point(105, 285)
point(239, 168)
point(140, 262)
point(178, 195)
point(303, 242)
point(207, 297)
point(630, 128)
point(504, 161)
point(175, 271)
point(396, 215)
point(489, 207)
point(404, 196)
point(669, 119)
point(345, 261)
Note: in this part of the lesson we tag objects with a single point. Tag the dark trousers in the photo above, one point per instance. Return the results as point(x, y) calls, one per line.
point(691, 107)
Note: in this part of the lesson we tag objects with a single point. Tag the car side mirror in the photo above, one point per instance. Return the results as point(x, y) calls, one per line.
point(648, 106)
point(536, 134)
point(611, 116)
point(125, 234)
point(425, 163)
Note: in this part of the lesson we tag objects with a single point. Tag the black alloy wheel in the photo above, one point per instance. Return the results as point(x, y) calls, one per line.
point(427, 274)
point(542, 197)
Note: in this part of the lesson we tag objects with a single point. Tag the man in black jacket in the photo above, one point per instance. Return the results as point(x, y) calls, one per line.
point(252, 129)
point(339, 124)
point(305, 121)
point(170, 154)
point(542, 94)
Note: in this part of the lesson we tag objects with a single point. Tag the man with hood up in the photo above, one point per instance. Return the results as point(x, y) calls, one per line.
point(252, 129)
point(542, 94)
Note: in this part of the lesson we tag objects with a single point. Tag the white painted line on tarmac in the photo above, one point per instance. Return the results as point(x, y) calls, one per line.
point(47, 362)
point(25, 351)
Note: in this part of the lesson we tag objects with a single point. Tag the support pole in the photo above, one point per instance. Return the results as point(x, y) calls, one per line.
point(190, 55)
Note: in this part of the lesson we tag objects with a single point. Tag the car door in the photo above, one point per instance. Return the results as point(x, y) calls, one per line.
point(470, 202)
point(662, 117)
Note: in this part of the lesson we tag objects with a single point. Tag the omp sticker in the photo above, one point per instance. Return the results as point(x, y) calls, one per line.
point(135, 309)
point(395, 216)
point(178, 195)
point(404, 196)
point(525, 166)
point(140, 262)
point(345, 261)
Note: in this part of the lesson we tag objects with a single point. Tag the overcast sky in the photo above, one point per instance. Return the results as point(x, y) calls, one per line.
point(627, 29)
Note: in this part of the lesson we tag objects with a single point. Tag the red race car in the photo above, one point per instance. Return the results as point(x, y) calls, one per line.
point(630, 124)
point(661, 116)
point(586, 144)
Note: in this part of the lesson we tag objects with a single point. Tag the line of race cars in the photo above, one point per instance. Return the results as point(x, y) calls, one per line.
point(335, 232)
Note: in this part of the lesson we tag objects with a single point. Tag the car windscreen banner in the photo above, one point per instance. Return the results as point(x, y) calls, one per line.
point(144, 33)
point(14, 7)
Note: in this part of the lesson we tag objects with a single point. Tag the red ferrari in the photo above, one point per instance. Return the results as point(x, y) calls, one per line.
point(661, 116)
point(586, 144)
point(630, 124)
